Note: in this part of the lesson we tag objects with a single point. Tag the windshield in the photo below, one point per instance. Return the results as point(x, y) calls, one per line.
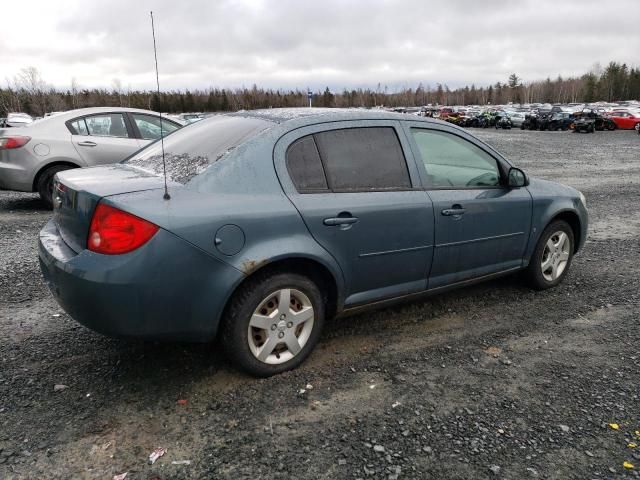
point(190, 150)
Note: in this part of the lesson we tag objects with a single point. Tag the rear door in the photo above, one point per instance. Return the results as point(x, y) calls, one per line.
point(103, 138)
point(353, 184)
point(481, 225)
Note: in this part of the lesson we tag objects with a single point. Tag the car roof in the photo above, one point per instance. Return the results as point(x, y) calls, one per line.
point(56, 121)
point(309, 116)
point(80, 112)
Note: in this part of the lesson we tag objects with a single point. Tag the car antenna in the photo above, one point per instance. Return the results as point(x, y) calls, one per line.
point(166, 195)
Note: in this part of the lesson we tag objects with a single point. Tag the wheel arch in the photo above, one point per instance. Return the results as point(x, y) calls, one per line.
point(55, 163)
point(573, 220)
point(312, 268)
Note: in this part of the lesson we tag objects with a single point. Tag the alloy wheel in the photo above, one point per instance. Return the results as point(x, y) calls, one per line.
point(281, 326)
point(555, 256)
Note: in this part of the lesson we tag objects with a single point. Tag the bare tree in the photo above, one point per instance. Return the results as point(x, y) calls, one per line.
point(9, 99)
point(74, 92)
point(117, 89)
point(31, 82)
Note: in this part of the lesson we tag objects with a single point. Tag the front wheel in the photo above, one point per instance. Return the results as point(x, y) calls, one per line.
point(552, 257)
point(45, 183)
point(273, 323)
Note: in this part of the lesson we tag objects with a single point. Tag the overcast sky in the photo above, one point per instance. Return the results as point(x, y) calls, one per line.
point(316, 43)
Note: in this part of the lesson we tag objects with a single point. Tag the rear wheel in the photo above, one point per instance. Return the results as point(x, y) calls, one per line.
point(45, 183)
point(273, 323)
point(552, 257)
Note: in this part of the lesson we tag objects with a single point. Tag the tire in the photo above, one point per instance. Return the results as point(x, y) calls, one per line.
point(541, 278)
point(256, 304)
point(45, 183)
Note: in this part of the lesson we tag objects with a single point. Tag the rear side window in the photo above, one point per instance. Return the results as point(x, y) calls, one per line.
point(305, 166)
point(363, 159)
point(353, 159)
point(107, 125)
point(79, 127)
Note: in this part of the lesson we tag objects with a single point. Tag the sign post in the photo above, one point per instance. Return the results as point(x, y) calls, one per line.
point(309, 96)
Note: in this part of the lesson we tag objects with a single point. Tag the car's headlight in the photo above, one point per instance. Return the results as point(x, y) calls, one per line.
point(583, 199)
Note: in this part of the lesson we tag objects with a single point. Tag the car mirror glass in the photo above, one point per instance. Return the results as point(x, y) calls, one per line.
point(517, 178)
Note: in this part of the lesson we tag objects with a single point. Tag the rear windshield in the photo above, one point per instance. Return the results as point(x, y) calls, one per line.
point(190, 150)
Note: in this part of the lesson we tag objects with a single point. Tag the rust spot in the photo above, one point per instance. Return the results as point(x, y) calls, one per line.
point(249, 266)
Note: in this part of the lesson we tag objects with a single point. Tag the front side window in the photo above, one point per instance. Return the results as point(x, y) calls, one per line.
point(368, 158)
point(453, 162)
point(149, 126)
point(106, 125)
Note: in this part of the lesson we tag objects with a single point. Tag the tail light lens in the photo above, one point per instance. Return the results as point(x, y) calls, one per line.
point(8, 143)
point(114, 232)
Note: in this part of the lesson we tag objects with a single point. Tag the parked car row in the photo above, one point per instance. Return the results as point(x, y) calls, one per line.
point(587, 120)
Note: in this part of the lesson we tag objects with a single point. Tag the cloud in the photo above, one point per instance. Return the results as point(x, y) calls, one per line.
point(339, 43)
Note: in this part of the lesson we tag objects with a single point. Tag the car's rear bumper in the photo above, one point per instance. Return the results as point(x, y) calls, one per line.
point(15, 175)
point(166, 289)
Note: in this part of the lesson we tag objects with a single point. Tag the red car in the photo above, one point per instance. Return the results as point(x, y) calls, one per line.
point(625, 120)
point(446, 112)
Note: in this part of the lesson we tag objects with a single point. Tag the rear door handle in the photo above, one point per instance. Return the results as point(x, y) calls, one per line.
point(449, 212)
point(335, 221)
point(87, 144)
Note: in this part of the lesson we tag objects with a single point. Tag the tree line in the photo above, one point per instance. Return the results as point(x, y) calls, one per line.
point(29, 93)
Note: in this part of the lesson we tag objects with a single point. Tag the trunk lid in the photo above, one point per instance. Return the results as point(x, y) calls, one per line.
point(78, 191)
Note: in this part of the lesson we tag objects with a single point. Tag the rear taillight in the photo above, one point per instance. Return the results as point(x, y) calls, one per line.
point(114, 232)
point(8, 143)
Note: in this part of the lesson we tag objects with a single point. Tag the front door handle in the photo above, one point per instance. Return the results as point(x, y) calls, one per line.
point(336, 221)
point(87, 143)
point(453, 211)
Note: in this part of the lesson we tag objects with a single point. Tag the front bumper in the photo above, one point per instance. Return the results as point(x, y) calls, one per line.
point(167, 289)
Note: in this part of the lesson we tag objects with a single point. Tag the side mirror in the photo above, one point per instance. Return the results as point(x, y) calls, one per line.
point(517, 178)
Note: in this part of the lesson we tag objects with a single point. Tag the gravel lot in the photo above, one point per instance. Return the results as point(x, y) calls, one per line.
point(493, 381)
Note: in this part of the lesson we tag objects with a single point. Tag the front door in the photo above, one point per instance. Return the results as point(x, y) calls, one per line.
point(354, 190)
point(481, 225)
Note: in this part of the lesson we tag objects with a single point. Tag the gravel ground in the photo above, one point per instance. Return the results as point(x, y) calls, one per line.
point(493, 381)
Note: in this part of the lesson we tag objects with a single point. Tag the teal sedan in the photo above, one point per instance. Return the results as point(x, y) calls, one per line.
point(273, 221)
